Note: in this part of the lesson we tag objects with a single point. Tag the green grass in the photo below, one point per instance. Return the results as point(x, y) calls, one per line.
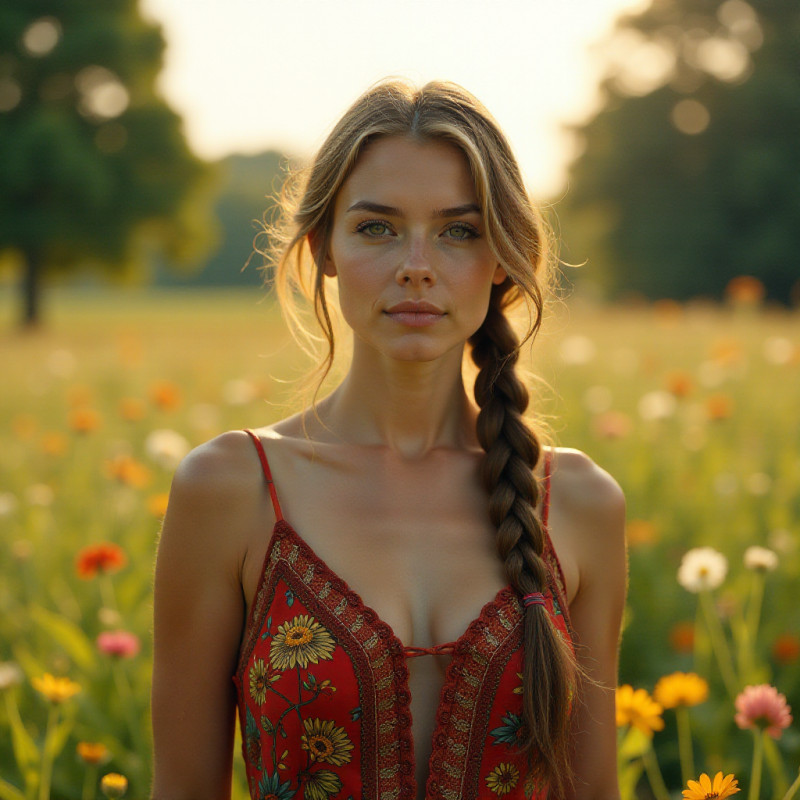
point(689, 479)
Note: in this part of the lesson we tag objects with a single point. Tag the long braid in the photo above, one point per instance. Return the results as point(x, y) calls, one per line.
point(512, 452)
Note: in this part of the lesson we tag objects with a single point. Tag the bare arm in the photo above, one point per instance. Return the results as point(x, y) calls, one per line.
point(596, 536)
point(199, 615)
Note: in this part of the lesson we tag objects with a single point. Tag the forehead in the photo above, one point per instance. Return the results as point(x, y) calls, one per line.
point(400, 171)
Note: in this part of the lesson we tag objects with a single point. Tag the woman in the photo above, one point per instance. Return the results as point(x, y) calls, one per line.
point(360, 643)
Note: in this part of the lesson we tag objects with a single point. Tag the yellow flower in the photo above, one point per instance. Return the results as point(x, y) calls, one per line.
point(56, 690)
point(157, 504)
point(93, 752)
point(299, 642)
point(114, 784)
point(502, 779)
point(706, 790)
point(637, 708)
point(681, 689)
point(320, 785)
point(325, 742)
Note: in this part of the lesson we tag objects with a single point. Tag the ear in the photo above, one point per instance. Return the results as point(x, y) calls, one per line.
point(324, 261)
point(499, 275)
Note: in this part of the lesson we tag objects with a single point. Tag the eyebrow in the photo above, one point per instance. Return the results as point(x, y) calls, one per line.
point(392, 211)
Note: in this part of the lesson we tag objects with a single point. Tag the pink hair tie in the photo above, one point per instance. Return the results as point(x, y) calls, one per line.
point(533, 599)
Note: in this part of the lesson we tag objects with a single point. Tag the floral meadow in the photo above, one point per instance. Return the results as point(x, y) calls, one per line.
point(693, 408)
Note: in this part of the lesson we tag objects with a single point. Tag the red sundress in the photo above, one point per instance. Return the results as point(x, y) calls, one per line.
point(323, 696)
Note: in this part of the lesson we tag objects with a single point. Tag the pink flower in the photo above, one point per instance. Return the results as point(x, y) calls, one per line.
point(762, 707)
point(119, 644)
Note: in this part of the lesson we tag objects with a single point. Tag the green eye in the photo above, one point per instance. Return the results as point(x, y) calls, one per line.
point(462, 232)
point(373, 228)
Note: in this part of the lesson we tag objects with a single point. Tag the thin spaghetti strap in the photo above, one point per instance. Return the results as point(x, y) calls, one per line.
point(546, 503)
point(267, 474)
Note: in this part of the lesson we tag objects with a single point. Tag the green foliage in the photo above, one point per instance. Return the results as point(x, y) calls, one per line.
point(247, 186)
point(688, 173)
point(93, 165)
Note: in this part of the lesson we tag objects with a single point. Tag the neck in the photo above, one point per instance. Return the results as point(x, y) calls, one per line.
point(410, 407)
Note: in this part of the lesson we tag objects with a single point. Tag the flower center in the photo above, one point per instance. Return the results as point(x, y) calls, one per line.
point(320, 746)
point(711, 795)
point(298, 635)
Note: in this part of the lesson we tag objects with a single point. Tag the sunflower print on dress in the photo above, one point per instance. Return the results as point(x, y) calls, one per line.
point(300, 642)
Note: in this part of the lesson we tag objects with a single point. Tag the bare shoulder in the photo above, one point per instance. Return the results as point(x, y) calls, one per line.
point(585, 492)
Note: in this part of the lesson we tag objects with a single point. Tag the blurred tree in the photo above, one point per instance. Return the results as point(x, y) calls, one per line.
point(247, 185)
point(94, 169)
point(688, 174)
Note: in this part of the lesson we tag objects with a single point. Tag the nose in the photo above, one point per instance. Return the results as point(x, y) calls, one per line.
point(415, 268)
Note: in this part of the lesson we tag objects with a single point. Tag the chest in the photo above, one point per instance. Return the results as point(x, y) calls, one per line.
point(325, 693)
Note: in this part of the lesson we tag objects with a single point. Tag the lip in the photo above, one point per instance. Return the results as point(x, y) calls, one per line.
point(415, 307)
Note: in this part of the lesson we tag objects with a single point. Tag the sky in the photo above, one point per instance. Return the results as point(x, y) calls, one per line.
point(247, 75)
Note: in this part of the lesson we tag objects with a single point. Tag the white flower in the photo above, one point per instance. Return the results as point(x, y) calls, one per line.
point(657, 405)
point(10, 675)
point(702, 568)
point(239, 392)
point(166, 447)
point(778, 350)
point(760, 559)
point(577, 350)
point(8, 504)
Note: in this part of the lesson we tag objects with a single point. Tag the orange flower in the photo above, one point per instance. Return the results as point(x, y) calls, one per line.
point(726, 352)
point(103, 557)
point(93, 752)
point(681, 689)
point(84, 419)
point(719, 407)
point(131, 409)
point(786, 648)
point(165, 395)
point(706, 789)
point(745, 290)
point(56, 690)
point(681, 637)
point(54, 443)
point(640, 531)
point(679, 383)
point(612, 425)
point(157, 504)
point(129, 471)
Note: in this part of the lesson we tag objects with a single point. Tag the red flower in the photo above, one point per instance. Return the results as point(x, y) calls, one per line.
point(763, 707)
point(120, 644)
point(103, 557)
point(786, 648)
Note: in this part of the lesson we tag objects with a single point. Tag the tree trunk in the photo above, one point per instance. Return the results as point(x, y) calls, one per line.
point(30, 290)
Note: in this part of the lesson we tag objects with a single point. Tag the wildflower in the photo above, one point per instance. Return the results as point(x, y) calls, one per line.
point(128, 471)
point(719, 407)
point(760, 559)
point(637, 708)
point(657, 405)
point(84, 419)
point(166, 448)
point(786, 648)
point(165, 395)
point(93, 752)
point(53, 443)
point(8, 504)
point(577, 350)
point(778, 350)
point(114, 785)
point(56, 690)
point(612, 425)
point(681, 637)
point(763, 707)
point(157, 504)
point(640, 531)
point(238, 392)
point(745, 290)
point(679, 384)
point(103, 557)
point(681, 689)
point(120, 644)
point(131, 409)
point(702, 568)
point(10, 675)
point(705, 789)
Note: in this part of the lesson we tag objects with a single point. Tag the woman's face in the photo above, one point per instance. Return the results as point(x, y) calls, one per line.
point(409, 250)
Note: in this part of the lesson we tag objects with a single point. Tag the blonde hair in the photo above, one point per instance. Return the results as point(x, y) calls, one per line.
point(444, 112)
